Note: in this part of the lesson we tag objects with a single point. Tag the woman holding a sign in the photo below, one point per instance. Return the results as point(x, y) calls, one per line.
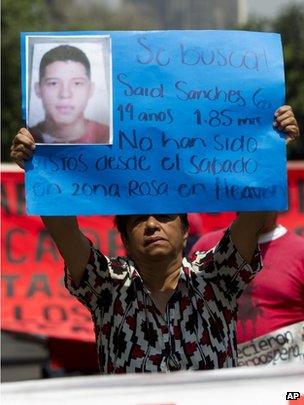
point(154, 310)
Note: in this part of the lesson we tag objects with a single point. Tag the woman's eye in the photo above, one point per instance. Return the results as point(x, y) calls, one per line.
point(138, 219)
point(165, 217)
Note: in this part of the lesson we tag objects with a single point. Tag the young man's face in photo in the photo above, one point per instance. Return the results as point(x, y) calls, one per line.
point(64, 90)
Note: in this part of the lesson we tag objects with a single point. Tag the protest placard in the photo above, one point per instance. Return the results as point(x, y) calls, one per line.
point(193, 131)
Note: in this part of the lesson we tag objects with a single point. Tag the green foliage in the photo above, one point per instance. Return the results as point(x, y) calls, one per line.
point(16, 16)
point(290, 24)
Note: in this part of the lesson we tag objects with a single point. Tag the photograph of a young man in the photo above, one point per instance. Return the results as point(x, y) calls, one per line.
point(64, 87)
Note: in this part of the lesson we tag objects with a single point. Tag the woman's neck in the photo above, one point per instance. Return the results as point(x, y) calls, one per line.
point(161, 277)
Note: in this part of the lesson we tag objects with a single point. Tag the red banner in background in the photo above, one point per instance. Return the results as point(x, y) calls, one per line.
point(34, 300)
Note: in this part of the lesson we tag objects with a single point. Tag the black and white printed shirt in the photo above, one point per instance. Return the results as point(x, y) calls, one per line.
point(198, 331)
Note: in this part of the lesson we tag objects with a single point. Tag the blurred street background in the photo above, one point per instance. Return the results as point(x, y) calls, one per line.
point(27, 359)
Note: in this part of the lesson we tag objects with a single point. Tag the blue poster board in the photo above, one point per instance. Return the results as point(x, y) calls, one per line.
point(193, 131)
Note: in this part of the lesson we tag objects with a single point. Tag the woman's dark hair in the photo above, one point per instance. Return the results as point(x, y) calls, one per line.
point(64, 53)
point(121, 221)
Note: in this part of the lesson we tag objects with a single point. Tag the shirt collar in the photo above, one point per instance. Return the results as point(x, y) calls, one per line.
point(183, 275)
point(276, 233)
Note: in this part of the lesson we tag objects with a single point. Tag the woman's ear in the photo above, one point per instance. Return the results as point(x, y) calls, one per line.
point(186, 234)
point(124, 241)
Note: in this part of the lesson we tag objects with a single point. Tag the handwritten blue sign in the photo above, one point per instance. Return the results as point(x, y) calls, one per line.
point(193, 131)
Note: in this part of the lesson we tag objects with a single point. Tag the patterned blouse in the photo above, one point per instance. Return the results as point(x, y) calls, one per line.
point(198, 331)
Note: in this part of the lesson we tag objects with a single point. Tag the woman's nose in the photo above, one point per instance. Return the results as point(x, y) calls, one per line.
point(151, 222)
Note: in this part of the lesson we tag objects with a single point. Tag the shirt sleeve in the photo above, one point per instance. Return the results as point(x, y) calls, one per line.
point(96, 278)
point(226, 267)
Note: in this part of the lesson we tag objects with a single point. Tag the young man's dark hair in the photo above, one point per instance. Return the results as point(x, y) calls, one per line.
point(64, 53)
point(121, 223)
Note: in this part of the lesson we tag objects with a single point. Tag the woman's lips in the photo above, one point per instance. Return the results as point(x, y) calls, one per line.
point(150, 241)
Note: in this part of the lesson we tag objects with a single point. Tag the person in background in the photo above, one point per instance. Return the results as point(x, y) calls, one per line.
point(65, 88)
point(270, 326)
